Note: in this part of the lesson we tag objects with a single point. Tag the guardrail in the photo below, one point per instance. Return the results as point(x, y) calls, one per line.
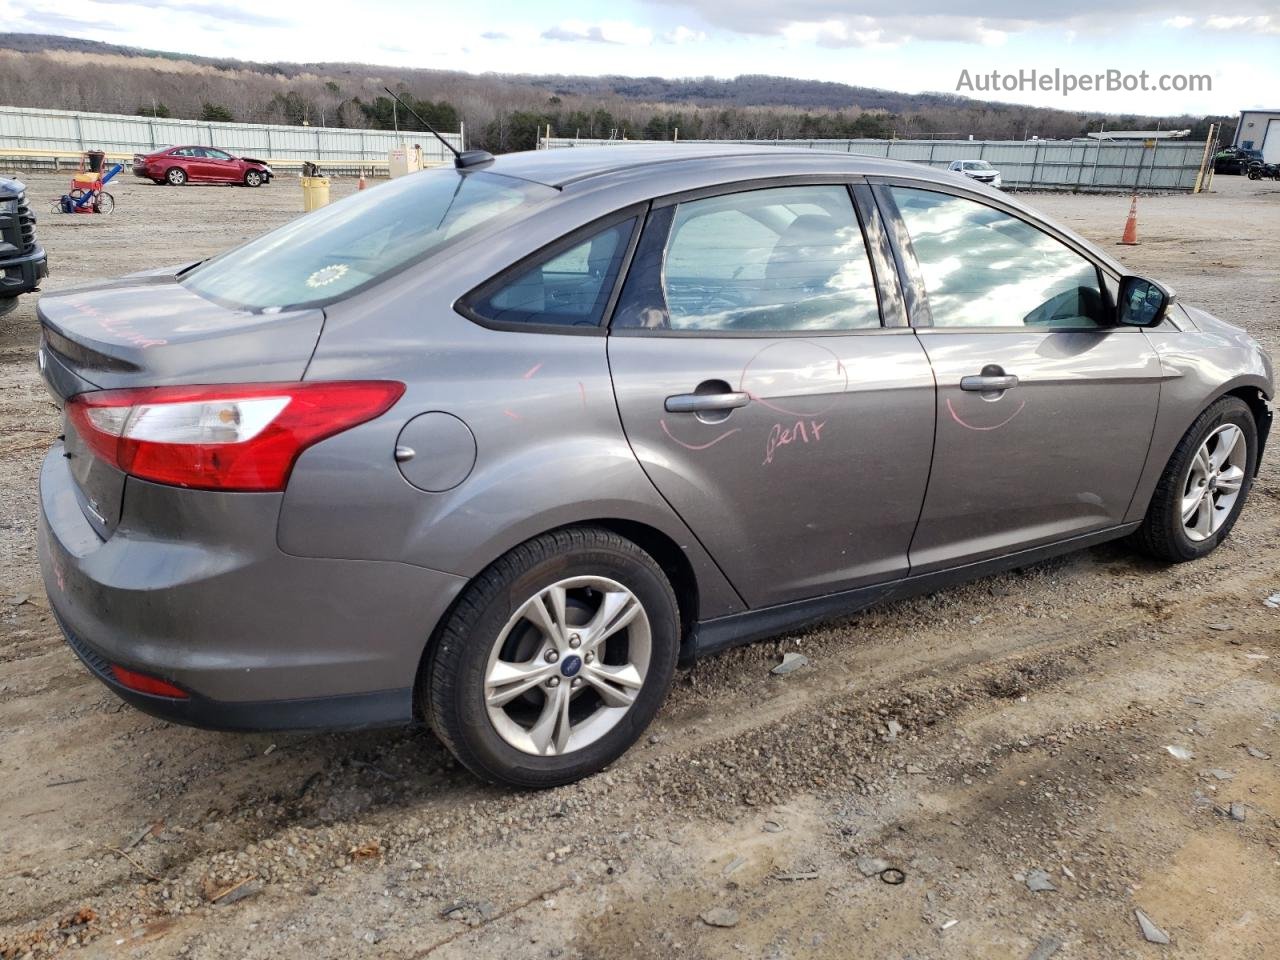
point(1073, 165)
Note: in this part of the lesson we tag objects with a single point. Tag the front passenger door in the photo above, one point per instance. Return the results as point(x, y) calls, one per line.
point(221, 166)
point(1045, 406)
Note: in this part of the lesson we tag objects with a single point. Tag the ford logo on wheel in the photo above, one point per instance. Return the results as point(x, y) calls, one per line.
point(570, 665)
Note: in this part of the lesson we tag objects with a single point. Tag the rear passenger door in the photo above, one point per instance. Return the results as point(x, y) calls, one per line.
point(788, 425)
point(1045, 405)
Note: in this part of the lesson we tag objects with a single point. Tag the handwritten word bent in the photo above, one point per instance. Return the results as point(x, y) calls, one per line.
point(780, 436)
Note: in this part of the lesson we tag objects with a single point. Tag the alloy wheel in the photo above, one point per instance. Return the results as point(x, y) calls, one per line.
point(567, 666)
point(1214, 482)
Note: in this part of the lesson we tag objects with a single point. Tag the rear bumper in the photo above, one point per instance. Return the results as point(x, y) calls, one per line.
point(259, 639)
point(383, 708)
point(23, 274)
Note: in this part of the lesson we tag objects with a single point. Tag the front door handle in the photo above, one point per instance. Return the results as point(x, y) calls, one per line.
point(989, 383)
point(703, 402)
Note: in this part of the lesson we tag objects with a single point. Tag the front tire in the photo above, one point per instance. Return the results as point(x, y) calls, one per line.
point(253, 178)
point(1205, 485)
point(554, 660)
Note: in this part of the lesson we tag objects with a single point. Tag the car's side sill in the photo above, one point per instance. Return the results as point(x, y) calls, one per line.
point(712, 636)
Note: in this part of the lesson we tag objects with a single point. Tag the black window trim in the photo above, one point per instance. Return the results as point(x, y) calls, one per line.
point(851, 183)
point(921, 316)
point(464, 304)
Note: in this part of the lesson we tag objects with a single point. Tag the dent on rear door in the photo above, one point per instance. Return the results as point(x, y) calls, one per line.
point(812, 488)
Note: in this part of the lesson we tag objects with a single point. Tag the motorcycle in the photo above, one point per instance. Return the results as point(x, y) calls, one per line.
point(1264, 171)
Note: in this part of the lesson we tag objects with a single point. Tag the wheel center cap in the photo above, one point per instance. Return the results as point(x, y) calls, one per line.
point(570, 665)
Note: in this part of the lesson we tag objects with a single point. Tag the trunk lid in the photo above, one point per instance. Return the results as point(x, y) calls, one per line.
point(149, 330)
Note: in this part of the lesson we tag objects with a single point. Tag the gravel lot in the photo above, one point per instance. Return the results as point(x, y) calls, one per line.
point(984, 740)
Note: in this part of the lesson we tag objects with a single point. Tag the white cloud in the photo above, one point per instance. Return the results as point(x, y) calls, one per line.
point(1261, 24)
point(889, 32)
point(683, 34)
point(894, 22)
point(607, 31)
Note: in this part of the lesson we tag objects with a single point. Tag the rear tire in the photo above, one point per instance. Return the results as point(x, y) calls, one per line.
point(1197, 501)
point(176, 176)
point(531, 697)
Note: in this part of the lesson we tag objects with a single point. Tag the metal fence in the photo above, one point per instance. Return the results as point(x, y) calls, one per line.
point(1076, 165)
point(35, 133)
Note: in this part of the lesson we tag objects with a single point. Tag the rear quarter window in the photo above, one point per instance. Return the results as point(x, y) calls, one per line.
point(567, 285)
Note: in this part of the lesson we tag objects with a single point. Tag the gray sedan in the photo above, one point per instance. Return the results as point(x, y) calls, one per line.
point(497, 447)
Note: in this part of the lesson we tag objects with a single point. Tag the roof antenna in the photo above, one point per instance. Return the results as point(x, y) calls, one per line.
point(461, 158)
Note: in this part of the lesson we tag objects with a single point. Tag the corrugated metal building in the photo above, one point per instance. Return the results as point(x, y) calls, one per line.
point(1259, 130)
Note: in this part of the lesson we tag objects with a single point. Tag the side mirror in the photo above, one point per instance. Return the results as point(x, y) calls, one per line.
point(1143, 303)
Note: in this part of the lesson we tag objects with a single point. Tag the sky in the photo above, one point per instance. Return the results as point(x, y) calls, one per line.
point(905, 45)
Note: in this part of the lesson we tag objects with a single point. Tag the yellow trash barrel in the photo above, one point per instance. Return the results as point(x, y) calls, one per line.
point(315, 193)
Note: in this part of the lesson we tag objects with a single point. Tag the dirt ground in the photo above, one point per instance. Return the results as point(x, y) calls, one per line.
point(1009, 734)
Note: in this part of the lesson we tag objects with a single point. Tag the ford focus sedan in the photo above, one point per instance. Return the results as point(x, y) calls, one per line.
point(498, 447)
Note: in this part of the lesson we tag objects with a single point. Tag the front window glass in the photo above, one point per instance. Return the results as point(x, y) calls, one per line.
point(985, 268)
point(335, 251)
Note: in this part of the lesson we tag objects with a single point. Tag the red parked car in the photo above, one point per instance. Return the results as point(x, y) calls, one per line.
point(181, 165)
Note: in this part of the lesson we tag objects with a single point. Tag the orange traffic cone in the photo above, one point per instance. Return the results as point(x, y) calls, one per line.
point(1130, 236)
point(361, 184)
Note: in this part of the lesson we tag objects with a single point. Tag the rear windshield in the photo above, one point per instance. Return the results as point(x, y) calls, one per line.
point(350, 244)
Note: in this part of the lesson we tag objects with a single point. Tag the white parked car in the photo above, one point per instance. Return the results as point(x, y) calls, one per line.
point(978, 170)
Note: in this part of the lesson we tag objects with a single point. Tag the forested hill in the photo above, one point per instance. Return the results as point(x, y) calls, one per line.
point(504, 111)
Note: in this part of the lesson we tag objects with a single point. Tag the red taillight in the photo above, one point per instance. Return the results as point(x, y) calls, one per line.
point(242, 437)
point(144, 683)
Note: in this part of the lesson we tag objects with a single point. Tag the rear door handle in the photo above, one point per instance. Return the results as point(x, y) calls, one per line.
point(700, 402)
point(986, 383)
